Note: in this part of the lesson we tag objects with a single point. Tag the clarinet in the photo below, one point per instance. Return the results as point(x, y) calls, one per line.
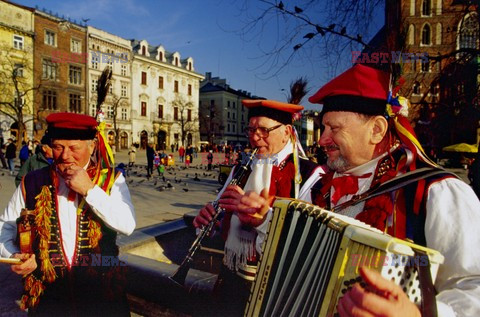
point(239, 179)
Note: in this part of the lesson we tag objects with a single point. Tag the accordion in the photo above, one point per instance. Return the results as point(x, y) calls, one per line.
point(311, 257)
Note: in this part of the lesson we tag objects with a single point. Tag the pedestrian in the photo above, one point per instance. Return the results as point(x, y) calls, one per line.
point(274, 172)
point(157, 162)
point(2, 156)
point(209, 160)
point(150, 152)
point(24, 153)
point(132, 155)
point(181, 153)
point(369, 141)
point(42, 158)
point(77, 216)
point(187, 160)
point(172, 147)
point(10, 154)
point(189, 152)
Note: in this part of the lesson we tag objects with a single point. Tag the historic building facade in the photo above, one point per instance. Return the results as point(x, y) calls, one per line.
point(437, 44)
point(108, 50)
point(165, 97)
point(59, 67)
point(16, 61)
point(223, 118)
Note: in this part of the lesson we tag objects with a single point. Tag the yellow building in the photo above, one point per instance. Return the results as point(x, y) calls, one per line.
point(16, 71)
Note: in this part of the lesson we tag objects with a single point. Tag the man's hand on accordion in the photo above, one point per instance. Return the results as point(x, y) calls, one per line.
point(250, 207)
point(381, 297)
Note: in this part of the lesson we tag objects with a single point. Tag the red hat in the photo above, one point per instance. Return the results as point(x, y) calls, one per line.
point(71, 126)
point(276, 110)
point(360, 89)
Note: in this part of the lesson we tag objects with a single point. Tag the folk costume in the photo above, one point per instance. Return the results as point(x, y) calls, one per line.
point(440, 211)
point(282, 174)
point(78, 271)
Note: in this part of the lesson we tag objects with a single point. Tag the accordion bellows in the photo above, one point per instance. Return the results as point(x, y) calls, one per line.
point(312, 256)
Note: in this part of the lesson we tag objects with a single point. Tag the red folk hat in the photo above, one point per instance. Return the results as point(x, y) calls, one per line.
point(71, 126)
point(360, 89)
point(276, 110)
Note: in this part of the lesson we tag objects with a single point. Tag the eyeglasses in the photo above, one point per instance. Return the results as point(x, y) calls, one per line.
point(260, 131)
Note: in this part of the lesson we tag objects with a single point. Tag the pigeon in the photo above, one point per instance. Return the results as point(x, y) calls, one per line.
point(141, 181)
point(196, 178)
point(161, 188)
point(185, 189)
point(155, 184)
point(169, 185)
point(131, 181)
point(163, 178)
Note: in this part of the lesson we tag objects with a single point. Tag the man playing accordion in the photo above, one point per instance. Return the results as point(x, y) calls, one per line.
point(369, 141)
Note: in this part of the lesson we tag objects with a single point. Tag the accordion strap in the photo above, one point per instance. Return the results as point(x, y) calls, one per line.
point(393, 184)
point(429, 305)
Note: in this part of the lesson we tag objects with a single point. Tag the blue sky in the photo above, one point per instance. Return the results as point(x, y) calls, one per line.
point(208, 31)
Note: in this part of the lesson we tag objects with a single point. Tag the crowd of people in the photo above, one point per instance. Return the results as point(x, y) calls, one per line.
point(367, 142)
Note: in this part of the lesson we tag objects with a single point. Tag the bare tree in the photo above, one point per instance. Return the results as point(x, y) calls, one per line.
point(187, 118)
point(115, 102)
point(16, 87)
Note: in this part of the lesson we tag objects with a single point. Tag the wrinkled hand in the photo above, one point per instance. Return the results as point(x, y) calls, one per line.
point(77, 179)
point(250, 207)
point(27, 266)
point(204, 216)
point(383, 298)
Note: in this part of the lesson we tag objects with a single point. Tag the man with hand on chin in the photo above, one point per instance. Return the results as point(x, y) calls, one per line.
point(80, 203)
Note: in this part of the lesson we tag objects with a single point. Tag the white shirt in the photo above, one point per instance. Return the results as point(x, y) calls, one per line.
point(452, 227)
point(116, 211)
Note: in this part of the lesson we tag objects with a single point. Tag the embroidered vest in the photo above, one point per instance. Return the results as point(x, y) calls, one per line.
point(402, 213)
point(94, 241)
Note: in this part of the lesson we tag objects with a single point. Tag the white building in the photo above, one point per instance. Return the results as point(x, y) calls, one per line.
point(165, 97)
point(108, 50)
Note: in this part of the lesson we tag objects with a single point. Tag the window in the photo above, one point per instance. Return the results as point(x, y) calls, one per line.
point(233, 116)
point(18, 99)
point(234, 130)
point(124, 114)
point(95, 59)
point(175, 86)
point(427, 7)
point(123, 70)
point(160, 111)
point(144, 109)
point(18, 42)
point(50, 38)
point(75, 46)
point(416, 88)
point(425, 66)
point(110, 88)
point(228, 115)
point(189, 89)
point(144, 78)
point(189, 67)
point(75, 103)
point(94, 84)
point(75, 75)
point(175, 113)
point(93, 110)
point(469, 28)
point(426, 35)
point(124, 90)
point(189, 115)
point(49, 69)
point(234, 106)
point(434, 89)
point(110, 113)
point(143, 50)
point(160, 56)
point(18, 70)
point(160, 82)
point(228, 104)
point(49, 100)
point(228, 127)
point(176, 61)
